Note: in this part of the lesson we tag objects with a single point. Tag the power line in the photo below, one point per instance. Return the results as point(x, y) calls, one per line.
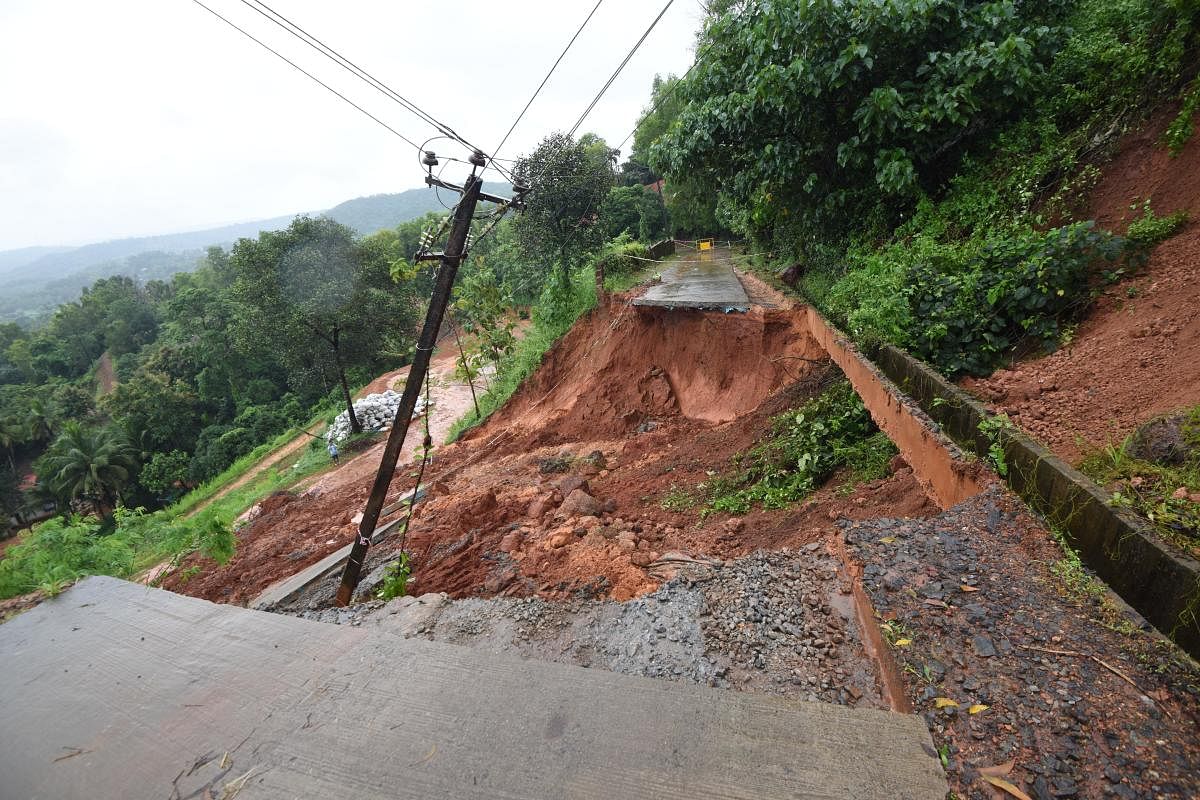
point(617, 72)
point(337, 58)
point(545, 79)
point(674, 87)
point(297, 67)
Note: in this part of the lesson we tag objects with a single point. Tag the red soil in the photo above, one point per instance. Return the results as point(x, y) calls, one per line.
point(666, 398)
point(1137, 355)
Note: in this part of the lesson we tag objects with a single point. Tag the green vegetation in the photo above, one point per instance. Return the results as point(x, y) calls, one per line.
point(395, 578)
point(1167, 496)
point(993, 429)
point(62, 550)
point(206, 367)
point(1149, 229)
point(833, 431)
point(678, 499)
point(927, 162)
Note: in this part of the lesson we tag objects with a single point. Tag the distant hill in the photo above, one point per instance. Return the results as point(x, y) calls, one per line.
point(11, 260)
point(35, 280)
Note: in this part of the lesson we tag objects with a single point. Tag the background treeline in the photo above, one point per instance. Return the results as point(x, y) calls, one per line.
point(179, 378)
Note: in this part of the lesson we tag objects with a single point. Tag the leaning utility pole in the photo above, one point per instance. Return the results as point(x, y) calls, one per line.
point(450, 260)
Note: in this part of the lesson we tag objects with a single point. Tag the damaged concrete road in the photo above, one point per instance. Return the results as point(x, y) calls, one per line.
point(135, 692)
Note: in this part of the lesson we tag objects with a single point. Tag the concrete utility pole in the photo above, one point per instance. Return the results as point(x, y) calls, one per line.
point(443, 283)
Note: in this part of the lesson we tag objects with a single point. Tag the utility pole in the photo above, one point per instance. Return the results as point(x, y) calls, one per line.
point(451, 258)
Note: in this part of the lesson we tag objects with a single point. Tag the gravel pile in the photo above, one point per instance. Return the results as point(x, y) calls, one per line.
point(375, 412)
point(980, 620)
point(781, 623)
point(769, 622)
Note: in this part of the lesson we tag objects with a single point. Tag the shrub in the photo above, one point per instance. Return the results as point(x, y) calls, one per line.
point(1150, 229)
point(621, 256)
point(62, 550)
point(1013, 288)
point(804, 449)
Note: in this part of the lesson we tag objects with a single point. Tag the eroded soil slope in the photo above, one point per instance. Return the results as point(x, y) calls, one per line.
point(631, 409)
point(1137, 354)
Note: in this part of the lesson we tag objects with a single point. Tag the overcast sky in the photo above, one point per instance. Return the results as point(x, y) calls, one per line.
point(135, 117)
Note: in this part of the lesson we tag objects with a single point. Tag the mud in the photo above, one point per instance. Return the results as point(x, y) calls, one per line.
point(636, 364)
point(1137, 354)
point(637, 409)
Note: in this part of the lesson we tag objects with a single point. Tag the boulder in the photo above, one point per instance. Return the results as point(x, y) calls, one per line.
point(1168, 440)
point(580, 504)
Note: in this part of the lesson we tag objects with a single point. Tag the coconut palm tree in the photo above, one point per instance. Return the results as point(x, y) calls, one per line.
point(37, 420)
point(11, 435)
point(89, 465)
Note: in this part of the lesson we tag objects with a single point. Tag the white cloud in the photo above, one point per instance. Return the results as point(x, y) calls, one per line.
point(148, 116)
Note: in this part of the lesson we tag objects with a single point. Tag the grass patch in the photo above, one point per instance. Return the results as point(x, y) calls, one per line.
point(237, 469)
point(1083, 587)
point(804, 448)
point(678, 499)
point(60, 551)
point(1163, 495)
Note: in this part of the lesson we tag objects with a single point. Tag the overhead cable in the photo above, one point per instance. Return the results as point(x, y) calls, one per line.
point(297, 67)
point(617, 72)
point(545, 79)
point(678, 82)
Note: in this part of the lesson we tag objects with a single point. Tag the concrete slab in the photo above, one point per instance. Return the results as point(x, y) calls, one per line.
point(118, 690)
point(698, 282)
point(284, 590)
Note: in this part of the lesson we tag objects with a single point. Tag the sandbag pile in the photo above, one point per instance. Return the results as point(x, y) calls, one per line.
point(375, 412)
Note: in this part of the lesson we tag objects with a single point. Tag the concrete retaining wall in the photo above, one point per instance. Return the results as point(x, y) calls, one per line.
point(663, 249)
point(937, 462)
point(1162, 584)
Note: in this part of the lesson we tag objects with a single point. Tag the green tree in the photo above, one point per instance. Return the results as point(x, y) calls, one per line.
point(482, 306)
point(91, 466)
point(159, 413)
point(164, 471)
point(12, 434)
point(318, 302)
point(569, 180)
point(634, 210)
point(12, 499)
point(808, 117)
point(39, 420)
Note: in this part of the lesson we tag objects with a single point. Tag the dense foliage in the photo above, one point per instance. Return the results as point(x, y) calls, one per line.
point(926, 161)
point(134, 392)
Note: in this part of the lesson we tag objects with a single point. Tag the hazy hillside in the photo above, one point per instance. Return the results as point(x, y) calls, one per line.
point(33, 280)
point(11, 260)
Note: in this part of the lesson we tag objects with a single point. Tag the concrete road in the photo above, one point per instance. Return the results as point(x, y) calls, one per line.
point(698, 280)
point(117, 690)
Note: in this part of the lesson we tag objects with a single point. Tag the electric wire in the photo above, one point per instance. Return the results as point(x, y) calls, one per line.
point(542, 85)
point(674, 87)
point(300, 69)
point(617, 72)
point(345, 63)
